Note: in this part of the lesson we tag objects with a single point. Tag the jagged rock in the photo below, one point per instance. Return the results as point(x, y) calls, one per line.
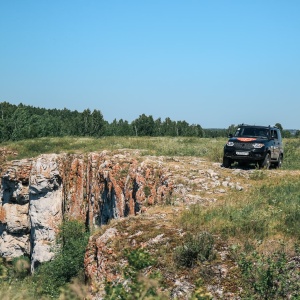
point(17, 219)
point(212, 174)
point(37, 193)
point(99, 260)
point(182, 290)
point(225, 183)
point(216, 183)
point(14, 245)
point(238, 187)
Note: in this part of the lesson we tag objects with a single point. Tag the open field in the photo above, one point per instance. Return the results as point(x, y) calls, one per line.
point(248, 220)
point(164, 146)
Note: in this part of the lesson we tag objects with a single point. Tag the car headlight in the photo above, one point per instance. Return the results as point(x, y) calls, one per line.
point(230, 144)
point(258, 145)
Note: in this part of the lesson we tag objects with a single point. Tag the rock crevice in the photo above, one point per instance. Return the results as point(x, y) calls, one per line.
point(37, 194)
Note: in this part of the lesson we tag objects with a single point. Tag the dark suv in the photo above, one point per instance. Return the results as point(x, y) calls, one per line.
point(254, 144)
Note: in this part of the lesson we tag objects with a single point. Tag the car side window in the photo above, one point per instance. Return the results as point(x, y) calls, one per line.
point(274, 134)
point(278, 135)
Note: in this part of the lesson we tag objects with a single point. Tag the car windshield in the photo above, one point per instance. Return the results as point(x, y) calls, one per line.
point(252, 132)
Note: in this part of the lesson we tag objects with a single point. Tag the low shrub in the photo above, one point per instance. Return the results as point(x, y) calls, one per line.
point(21, 267)
point(195, 249)
point(136, 286)
point(139, 259)
point(291, 159)
point(258, 175)
point(269, 277)
point(67, 263)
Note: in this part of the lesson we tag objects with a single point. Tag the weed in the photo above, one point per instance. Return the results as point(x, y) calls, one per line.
point(21, 267)
point(170, 200)
point(269, 277)
point(136, 286)
point(215, 153)
point(195, 249)
point(147, 191)
point(200, 292)
point(291, 154)
point(268, 210)
point(3, 270)
point(258, 174)
point(139, 259)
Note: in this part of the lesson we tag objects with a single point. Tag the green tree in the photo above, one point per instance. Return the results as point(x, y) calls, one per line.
point(279, 126)
point(169, 127)
point(144, 125)
point(97, 123)
point(183, 128)
point(196, 130)
point(286, 134)
point(231, 129)
point(158, 130)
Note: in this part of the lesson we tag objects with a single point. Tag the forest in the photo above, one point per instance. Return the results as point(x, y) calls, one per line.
point(19, 122)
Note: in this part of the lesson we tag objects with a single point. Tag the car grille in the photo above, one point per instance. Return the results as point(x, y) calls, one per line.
point(241, 146)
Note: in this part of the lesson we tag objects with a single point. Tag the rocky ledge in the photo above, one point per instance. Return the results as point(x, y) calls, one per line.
point(37, 194)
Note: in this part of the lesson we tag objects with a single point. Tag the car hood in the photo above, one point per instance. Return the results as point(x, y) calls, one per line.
point(247, 139)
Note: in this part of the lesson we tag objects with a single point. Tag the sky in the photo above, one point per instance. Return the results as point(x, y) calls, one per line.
point(208, 62)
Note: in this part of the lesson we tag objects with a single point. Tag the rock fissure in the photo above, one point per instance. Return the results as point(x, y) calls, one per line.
point(37, 194)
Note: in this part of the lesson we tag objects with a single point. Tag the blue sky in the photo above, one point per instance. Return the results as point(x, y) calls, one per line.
point(213, 63)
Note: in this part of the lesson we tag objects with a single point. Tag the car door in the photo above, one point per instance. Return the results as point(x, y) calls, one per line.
point(276, 144)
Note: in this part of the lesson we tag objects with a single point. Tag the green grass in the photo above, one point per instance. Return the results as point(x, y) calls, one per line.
point(291, 154)
point(212, 149)
point(164, 146)
point(266, 213)
point(262, 229)
point(270, 210)
point(51, 279)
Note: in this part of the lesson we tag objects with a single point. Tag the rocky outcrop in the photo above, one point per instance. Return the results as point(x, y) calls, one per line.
point(45, 207)
point(14, 220)
point(37, 194)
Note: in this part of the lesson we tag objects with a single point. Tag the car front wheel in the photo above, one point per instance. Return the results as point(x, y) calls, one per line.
point(226, 162)
point(266, 162)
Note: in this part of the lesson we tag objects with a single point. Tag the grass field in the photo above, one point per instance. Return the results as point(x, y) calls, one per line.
point(260, 227)
point(211, 149)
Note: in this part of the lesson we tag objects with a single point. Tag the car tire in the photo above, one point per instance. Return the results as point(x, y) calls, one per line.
point(279, 162)
point(243, 164)
point(226, 162)
point(265, 164)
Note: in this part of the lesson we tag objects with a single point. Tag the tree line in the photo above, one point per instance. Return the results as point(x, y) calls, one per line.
point(26, 122)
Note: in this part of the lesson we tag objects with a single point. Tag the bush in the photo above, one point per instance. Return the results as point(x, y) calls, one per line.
point(291, 154)
point(136, 285)
point(196, 248)
point(21, 267)
point(139, 259)
point(68, 261)
point(270, 277)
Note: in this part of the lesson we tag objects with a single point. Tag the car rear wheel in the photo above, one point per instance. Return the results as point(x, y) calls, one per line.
point(279, 162)
point(226, 162)
point(266, 162)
